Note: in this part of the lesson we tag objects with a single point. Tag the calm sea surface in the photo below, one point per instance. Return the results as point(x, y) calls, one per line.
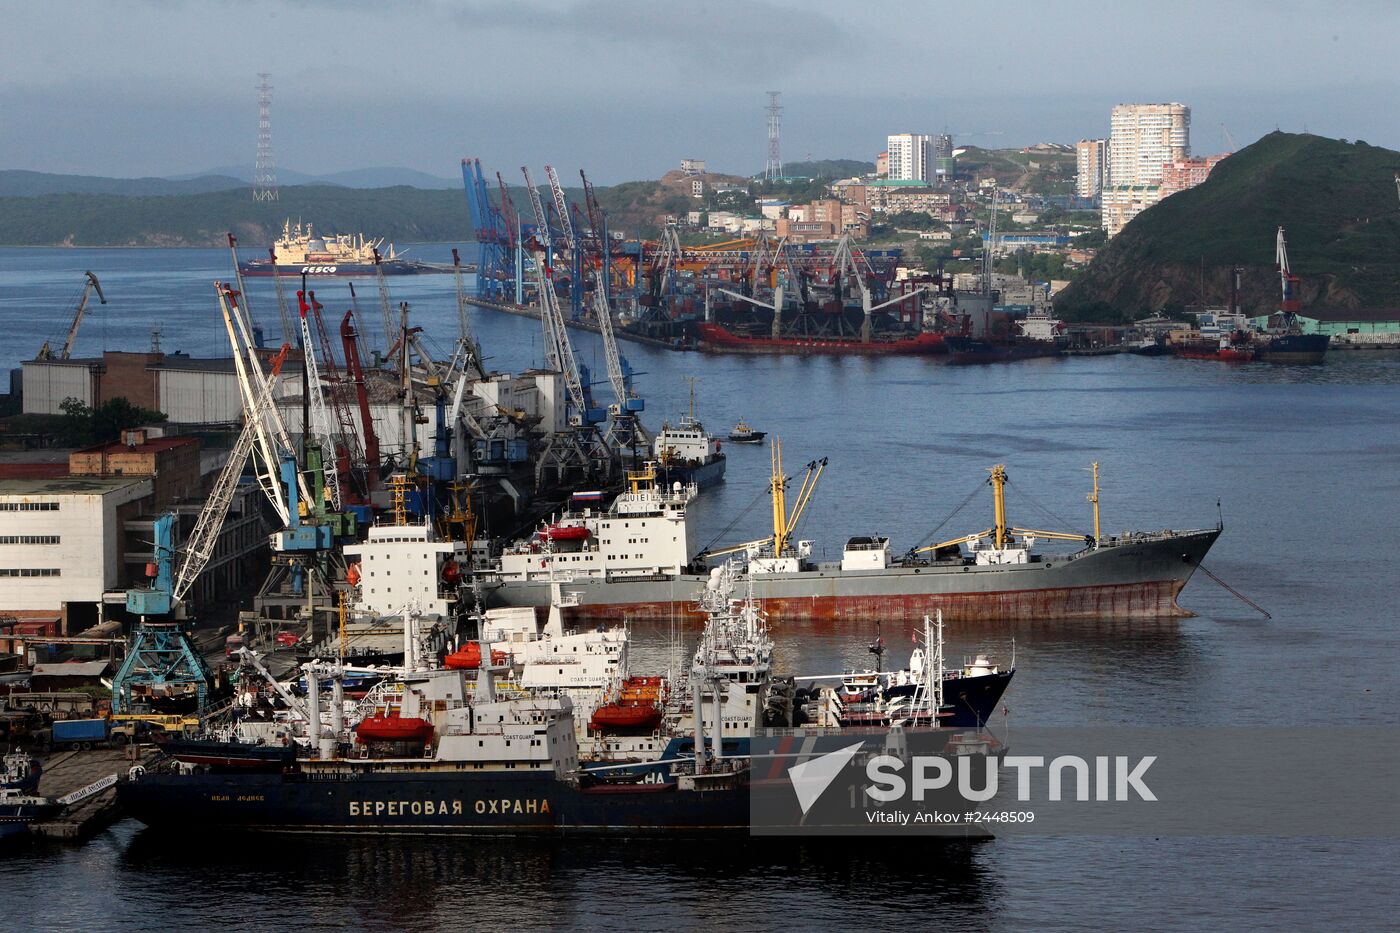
point(1304, 461)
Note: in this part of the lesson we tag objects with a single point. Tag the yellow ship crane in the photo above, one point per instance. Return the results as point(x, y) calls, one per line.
point(1003, 535)
point(784, 521)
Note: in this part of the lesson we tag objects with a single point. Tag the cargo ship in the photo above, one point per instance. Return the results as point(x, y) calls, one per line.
point(634, 563)
point(1283, 340)
point(718, 338)
point(298, 251)
point(1040, 336)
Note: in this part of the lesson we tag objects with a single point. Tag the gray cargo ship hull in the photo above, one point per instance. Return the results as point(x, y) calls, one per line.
point(1135, 577)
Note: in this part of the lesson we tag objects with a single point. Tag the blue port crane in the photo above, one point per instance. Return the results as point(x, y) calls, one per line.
point(494, 266)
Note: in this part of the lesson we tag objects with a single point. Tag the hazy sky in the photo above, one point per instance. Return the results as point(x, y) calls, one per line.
point(626, 88)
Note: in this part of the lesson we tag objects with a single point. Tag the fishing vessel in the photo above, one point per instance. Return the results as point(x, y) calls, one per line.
point(637, 564)
point(300, 251)
point(685, 453)
point(20, 771)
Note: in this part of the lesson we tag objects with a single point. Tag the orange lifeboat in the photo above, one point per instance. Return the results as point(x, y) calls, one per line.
point(394, 728)
point(623, 716)
point(468, 657)
point(566, 532)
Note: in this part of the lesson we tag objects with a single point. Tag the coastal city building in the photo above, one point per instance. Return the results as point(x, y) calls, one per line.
point(1119, 204)
point(910, 156)
point(1091, 161)
point(1181, 174)
point(1145, 137)
point(693, 166)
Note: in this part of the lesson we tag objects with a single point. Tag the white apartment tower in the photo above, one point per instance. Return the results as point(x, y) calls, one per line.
point(1145, 137)
point(910, 156)
point(1091, 160)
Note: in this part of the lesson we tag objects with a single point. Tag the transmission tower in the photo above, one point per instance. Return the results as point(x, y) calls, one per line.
point(265, 172)
point(774, 169)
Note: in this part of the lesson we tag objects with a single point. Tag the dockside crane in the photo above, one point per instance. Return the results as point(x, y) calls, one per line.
point(627, 425)
point(159, 652)
point(559, 347)
point(492, 235)
point(90, 285)
point(320, 425)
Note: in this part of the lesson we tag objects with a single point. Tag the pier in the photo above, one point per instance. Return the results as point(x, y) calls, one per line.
point(69, 772)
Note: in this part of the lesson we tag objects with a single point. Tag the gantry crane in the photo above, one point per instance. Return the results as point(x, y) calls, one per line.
point(89, 286)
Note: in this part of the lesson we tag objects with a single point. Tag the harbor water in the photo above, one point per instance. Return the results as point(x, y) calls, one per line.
point(1301, 462)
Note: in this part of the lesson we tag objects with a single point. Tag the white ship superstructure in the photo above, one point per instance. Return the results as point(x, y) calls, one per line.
point(399, 565)
point(643, 534)
point(298, 245)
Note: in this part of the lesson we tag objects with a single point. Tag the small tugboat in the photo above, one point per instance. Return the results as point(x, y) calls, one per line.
point(19, 771)
point(20, 808)
point(743, 434)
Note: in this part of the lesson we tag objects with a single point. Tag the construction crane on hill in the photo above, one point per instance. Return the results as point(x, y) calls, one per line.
point(89, 286)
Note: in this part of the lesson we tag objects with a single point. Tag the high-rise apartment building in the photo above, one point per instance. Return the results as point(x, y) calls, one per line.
point(910, 156)
point(1145, 137)
point(1091, 159)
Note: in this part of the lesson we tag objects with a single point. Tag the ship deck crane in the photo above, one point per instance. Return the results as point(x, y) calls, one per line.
point(1002, 535)
point(90, 285)
point(784, 520)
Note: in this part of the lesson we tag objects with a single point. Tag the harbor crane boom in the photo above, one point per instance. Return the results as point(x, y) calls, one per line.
point(89, 286)
point(556, 333)
point(626, 419)
point(199, 549)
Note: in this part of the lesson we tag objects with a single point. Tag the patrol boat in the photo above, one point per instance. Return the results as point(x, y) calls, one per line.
point(493, 763)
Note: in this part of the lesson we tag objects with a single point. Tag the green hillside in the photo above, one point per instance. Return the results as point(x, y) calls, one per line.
point(1335, 199)
point(398, 214)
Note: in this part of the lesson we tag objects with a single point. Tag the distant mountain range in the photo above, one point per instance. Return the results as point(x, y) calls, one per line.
point(19, 183)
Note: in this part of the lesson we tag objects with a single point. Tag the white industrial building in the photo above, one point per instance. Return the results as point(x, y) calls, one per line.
point(61, 542)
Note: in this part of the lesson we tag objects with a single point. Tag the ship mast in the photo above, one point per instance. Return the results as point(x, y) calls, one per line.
point(778, 485)
point(999, 502)
point(1094, 498)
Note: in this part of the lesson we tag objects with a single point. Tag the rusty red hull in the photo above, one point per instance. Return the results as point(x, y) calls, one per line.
point(1131, 601)
point(1128, 577)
